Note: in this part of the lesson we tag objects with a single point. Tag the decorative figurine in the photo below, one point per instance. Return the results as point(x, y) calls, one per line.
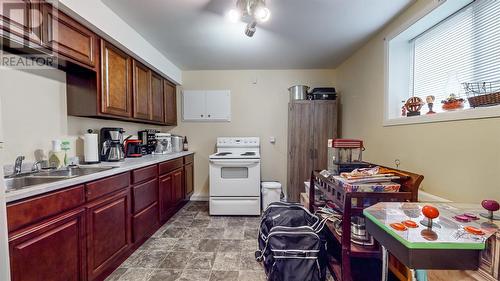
point(453, 103)
point(414, 105)
point(403, 109)
point(430, 103)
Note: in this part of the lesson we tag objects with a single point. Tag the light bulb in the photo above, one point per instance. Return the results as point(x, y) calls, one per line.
point(262, 14)
point(233, 15)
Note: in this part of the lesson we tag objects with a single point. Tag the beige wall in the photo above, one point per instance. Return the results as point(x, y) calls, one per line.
point(33, 107)
point(34, 112)
point(460, 159)
point(258, 109)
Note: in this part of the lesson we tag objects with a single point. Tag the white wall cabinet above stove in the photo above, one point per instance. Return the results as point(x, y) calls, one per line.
point(206, 106)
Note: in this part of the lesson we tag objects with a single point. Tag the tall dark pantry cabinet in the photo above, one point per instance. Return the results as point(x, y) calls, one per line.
point(310, 124)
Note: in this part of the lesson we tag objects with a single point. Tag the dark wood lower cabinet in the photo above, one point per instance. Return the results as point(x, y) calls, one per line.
point(145, 223)
point(108, 232)
point(85, 232)
point(171, 193)
point(178, 179)
point(53, 250)
point(189, 179)
point(166, 199)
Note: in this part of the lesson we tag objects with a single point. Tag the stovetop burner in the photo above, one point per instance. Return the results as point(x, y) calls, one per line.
point(248, 154)
point(223, 154)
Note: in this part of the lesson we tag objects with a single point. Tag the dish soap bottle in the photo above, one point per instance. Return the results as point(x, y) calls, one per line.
point(185, 144)
point(56, 155)
point(65, 146)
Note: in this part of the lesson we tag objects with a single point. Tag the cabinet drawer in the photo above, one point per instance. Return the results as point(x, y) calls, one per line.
point(99, 188)
point(145, 222)
point(189, 159)
point(144, 174)
point(36, 209)
point(145, 194)
point(171, 165)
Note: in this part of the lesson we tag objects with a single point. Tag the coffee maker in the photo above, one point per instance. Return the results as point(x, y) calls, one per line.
point(112, 144)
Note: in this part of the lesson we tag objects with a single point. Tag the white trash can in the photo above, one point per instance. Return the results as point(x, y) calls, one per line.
point(271, 192)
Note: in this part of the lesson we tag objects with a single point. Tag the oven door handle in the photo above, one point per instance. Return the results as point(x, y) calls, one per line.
point(228, 163)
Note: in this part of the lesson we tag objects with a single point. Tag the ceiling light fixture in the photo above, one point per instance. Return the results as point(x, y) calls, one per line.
point(254, 10)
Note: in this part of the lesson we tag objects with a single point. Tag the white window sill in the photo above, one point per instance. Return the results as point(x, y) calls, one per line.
point(470, 113)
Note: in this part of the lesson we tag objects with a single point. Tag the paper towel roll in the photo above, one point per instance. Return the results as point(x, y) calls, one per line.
point(90, 148)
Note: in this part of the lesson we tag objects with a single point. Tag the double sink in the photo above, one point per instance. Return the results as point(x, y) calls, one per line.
point(49, 176)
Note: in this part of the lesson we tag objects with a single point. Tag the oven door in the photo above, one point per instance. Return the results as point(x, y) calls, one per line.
point(235, 177)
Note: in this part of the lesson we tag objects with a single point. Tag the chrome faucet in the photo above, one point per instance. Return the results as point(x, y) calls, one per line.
point(37, 166)
point(18, 165)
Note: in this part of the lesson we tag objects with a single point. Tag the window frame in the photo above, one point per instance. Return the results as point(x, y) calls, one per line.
point(431, 14)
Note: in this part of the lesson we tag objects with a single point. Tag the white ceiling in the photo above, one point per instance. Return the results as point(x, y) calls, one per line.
point(195, 35)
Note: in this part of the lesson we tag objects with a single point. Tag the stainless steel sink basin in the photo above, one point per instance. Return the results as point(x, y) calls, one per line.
point(71, 172)
point(42, 177)
point(23, 182)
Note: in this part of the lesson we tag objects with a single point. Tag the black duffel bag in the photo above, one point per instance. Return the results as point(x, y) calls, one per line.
point(291, 244)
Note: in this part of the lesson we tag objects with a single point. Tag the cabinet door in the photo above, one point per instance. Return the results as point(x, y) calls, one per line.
point(170, 103)
point(68, 38)
point(166, 198)
point(145, 223)
point(178, 182)
point(21, 20)
point(142, 91)
point(53, 250)
point(189, 179)
point(108, 232)
point(193, 104)
point(324, 126)
point(218, 105)
point(116, 92)
point(157, 98)
point(300, 150)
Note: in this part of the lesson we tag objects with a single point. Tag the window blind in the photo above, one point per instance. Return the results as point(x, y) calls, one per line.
point(462, 48)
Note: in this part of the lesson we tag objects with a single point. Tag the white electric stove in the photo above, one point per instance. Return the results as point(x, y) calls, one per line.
point(235, 177)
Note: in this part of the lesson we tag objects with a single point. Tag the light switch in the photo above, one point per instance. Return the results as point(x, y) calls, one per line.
point(272, 140)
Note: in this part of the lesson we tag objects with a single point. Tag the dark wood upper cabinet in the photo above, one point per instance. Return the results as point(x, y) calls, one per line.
point(102, 80)
point(21, 20)
point(157, 98)
point(170, 103)
point(53, 250)
point(116, 92)
point(142, 91)
point(68, 38)
point(108, 232)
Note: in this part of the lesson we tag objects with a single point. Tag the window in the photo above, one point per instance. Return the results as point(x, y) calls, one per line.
point(461, 49)
point(451, 45)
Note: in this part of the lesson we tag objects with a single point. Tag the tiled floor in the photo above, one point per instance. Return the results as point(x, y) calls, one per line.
point(192, 246)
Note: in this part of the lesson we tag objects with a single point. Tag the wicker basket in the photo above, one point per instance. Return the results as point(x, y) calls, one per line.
point(483, 93)
point(485, 100)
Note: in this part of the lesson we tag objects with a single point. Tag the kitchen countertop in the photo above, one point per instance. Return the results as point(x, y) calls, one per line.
point(119, 167)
